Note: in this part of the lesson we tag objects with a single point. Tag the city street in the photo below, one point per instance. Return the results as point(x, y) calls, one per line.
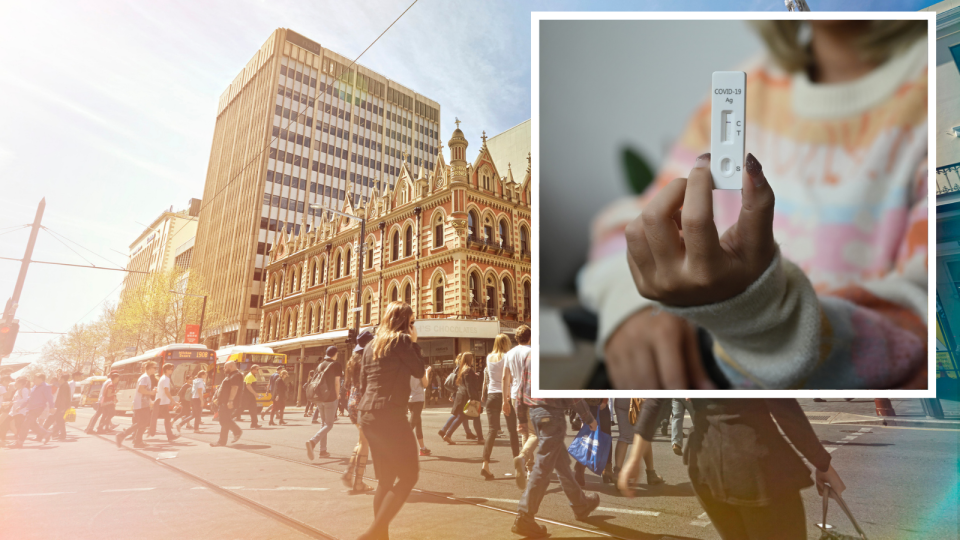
point(902, 483)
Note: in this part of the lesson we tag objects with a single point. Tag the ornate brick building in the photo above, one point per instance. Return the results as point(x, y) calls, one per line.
point(454, 242)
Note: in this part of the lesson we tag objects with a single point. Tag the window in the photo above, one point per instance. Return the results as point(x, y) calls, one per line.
point(393, 295)
point(504, 234)
point(438, 233)
point(336, 269)
point(336, 312)
point(407, 293)
point(366, 312)
point(526, 295)
point(395, 251)
point(523, 239)
point(323, 269)
point(276, 201)
point(266, 199)
point(346, 263)
point(472, 225)
point(255, 301)
point(407, 241)
point(488, 233)
point(370, 256)
point(505, 287)
point(474, 289)
point(438, 298)
point(346, 302)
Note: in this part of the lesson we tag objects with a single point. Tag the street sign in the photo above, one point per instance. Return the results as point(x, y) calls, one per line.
point(193, 333)
point(130, 351)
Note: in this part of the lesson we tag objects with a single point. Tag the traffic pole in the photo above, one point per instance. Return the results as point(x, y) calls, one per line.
point(10, 310)
point(884, 407)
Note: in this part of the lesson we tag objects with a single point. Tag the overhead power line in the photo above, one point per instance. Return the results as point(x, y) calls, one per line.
point(78, 265)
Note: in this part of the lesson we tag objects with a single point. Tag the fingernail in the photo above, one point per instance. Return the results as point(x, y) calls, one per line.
point(703, 161)
point(756, 171)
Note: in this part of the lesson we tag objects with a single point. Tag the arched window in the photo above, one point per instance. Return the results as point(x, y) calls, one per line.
point(336, 269)
point(393, 294)
point(505, 288)
point(336, 312)
point(346, 263)
point(366, 312)
point(486, 180)
point(526, 296)
point(472, 225)
point(407, 294)
point(395, 248)
point(407, 241)
point(438, 233)
point(438, 297)
point(504, 233)
point(524, 240)
point(346, 303)
point(323, 269)
point(370, 255)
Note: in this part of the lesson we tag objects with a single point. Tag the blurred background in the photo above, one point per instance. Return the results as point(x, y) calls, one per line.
point(613, 97)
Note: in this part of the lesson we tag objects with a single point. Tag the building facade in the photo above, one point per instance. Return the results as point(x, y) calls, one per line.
point(453, 242)
point(160, 247)
point(299, 126)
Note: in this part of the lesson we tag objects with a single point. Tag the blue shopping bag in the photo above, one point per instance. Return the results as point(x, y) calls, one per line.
point(591, 448)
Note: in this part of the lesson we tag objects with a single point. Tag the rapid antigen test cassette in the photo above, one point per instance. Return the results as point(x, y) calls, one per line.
point(728, 128)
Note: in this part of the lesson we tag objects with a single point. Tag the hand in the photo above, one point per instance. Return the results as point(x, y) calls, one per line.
point(230, 404)
point(603, 404)
point(830, 477)
point(676, 255)
point(413, 333)
point(629, 474)
point(593, 425)
point(506, 407)
point(655, 350)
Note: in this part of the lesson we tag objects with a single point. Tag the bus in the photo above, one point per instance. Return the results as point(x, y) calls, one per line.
point(246, 356)
point(188, 359)
point(89, 390)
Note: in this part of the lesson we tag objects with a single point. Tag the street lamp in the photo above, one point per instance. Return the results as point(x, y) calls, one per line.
point(203, 311)
point(363, 228)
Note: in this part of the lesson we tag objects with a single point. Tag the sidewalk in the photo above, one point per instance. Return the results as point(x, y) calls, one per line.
point(909, 413)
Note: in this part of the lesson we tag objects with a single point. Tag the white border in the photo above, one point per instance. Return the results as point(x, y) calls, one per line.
point(538, 16)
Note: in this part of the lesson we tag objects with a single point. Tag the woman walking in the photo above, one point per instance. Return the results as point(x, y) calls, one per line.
point(744, 473)
point(468, 395)
point(281, 389)
point(418, 388)
point(492, 398)
point(388, 363)
point(353, 476)
point(448, 427)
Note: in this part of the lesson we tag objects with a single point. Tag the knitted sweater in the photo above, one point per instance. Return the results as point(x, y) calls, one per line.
point(844, 303)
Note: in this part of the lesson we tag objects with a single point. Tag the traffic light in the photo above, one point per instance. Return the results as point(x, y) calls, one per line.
point(352, 337)
point(8, 336)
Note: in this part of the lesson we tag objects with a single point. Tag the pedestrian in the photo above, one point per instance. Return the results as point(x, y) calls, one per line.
point(228, 397)
point(184, 394)
point(388, 363)
point(452, 392)
point(309, 407)
point(248, 399)
point(743, 471)
point(62, 402)
point(627, 411)
point(676, 425)
point(602, 406)
point(492, 398)
point(197, 388)
point(281, 388)
point(342, 400)
point(166, 401)
point(467, 398)
point(415, 406)
point(142, 402)
point(16, 410)
point(353, 477)
point(75, 378)
point(106, 404)
point(512, 369)
point(329, 373)
point(549, 423)
point(271, 387)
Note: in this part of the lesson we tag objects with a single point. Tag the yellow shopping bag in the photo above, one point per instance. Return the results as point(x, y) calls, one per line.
point(70, 415)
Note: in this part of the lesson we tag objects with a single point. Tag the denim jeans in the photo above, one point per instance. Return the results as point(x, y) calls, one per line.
point(449, 427)
point(141, 421)
point(676, 425)
point(328, 415)
point(550, 425)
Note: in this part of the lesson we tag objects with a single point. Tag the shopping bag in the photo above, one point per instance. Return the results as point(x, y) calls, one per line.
point(472, 409)
point(591, 448)
point(70, 415)
point(831, 533)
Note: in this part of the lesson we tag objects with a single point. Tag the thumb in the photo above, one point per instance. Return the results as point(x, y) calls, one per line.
point(755, 224)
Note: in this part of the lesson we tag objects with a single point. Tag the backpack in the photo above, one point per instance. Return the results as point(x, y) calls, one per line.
point(450, 385)
point(187, 386)
point(321, 389)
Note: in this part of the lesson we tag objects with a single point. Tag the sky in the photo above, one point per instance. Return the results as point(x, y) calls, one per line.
point(108, 109)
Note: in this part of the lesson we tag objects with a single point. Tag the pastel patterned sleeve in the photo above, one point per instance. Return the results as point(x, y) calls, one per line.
point(781, 333)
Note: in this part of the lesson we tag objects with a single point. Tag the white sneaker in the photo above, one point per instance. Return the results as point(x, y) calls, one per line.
point(309, 451)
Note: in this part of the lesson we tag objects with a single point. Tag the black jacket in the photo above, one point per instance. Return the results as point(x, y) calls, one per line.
point(469, 389)
point(280, 389)
point(737, 451)
point(64, 397)
point(385, 382)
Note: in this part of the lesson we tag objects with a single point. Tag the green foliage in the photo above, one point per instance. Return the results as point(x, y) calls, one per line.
point(639, 173)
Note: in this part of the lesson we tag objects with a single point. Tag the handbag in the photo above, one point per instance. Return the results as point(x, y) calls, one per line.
point(472, 409)
point(591, 448)
point(70, 415)
point(831, 533)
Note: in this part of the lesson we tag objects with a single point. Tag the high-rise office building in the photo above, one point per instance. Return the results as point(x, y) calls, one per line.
point(275, 155)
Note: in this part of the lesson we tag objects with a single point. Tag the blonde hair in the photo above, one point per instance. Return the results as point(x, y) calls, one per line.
point(878, 44)
point(395, 325)
point(465, 361)
point(501, 345)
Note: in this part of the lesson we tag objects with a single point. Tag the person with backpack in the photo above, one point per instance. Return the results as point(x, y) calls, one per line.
point(388, 363)
point(272, 388)
point(309, 407)
point(324, 390)
point(451, 388)
point(467, 398)
point(197, 387)
point(184, 395)
point(280, 390)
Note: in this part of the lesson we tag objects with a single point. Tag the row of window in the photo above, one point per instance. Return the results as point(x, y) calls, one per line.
point(282, 202)
point(293, 116)
point(291, 136)
point(298, 76)
point(287, 180)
